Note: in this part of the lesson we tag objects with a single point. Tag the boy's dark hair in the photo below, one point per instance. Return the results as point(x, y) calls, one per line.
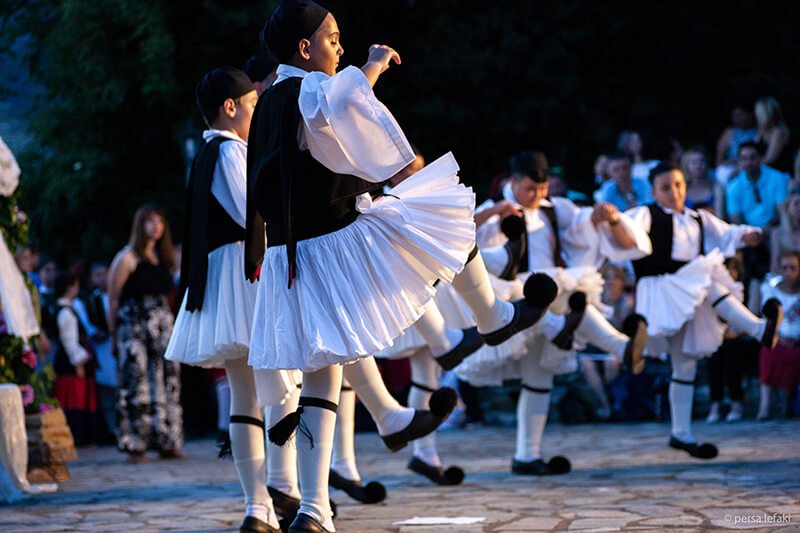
point(734, 263)
point(661, 168)
point(613, 156)
point(64, 280)
point(259, 66)
point(217, 86)
point(529, 164)
point(748, 144)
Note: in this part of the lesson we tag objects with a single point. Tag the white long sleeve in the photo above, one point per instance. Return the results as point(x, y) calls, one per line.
point(69, 335)
point(229, 184)
point(348, 129)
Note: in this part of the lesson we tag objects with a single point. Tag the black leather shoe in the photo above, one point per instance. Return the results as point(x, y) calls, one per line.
point(254, 525)
point(555, 466)
point(514, 229)
point(773, 312)
point(635, 327)
point(372, 492)
point(284, 505)
point(452, 476)
point(469, 344)
point(306, 524)
point(700, 451)
point(540, 291)
point(577, 306)
point(442, 403)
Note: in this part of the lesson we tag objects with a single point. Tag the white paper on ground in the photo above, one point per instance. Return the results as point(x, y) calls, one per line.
point(440, 520)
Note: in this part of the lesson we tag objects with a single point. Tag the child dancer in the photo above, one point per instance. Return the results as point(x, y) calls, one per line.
point(683, 289)
point(343, 275)
point(213, 325)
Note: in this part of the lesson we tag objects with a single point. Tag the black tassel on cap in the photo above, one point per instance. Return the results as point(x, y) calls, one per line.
point(283, 430)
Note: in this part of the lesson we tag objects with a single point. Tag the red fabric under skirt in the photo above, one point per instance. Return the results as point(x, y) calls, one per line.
point(74, 393)
point(780, 366)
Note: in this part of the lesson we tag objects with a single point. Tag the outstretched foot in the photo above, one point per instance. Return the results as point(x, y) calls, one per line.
point(469, 344)
point(555, 466)
point(635, 327)
point(701, 451)
point(441, 404)
point(773, 313)
point(540, 291)
point(452, 476)
point(577, 306)
point(372, 492)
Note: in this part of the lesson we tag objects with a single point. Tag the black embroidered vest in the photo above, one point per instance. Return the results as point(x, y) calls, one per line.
point(207, 225)
point(287, 189)
point(660, 261)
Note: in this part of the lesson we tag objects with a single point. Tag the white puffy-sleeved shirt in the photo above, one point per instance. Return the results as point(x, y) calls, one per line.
point(686, 233)
point(69, 334)
point(582, 243)
point(229, 184)
point(345, 126)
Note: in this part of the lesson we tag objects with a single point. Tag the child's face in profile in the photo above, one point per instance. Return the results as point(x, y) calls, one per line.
point(245, 106)
point(325, 50)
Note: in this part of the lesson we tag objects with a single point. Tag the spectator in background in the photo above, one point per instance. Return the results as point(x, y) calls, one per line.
point(601, 169)
point(623, 190)
point(630, 143)
point(702, 191)
point(786, 236)
point(260, 68)
point(727, 364)
point(780, 366)
point(140, 324)
point(26, 261)
point(665, 149)
point(92, 309)
point(753, 197)
point(742, 129)
point(48, 269)
point(773, 135)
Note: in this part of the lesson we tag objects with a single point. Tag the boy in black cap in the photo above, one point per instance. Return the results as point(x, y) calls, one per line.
point(343, 275)
point(213, 325)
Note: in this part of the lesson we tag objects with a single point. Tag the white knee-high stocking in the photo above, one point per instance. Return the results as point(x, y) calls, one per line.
point(424, 373)
point(598, 331)
point(730, 309)
point(247, 441)
point(344, 452)
point(223, 391)
point(532, 407)
point(681, 391)
point(431, 326)
point(282, 460)
point(366, 380)
point(473, 285)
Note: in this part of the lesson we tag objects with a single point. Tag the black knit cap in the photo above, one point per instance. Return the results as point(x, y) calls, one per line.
point(291, 21)
point(530, 163)
point(219, 85)
point(260, 65)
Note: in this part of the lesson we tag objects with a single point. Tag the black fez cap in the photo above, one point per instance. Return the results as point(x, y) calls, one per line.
point(661, 168)
point(291, 21)
point(530, 163)
point(219, 85)
point(259, 66)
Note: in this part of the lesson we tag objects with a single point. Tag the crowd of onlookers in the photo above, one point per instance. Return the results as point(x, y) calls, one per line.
point(106, 325)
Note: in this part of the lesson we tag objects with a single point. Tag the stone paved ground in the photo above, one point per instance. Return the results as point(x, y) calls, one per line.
point(625, 479)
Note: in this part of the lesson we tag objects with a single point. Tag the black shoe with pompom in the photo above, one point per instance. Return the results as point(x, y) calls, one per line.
point(441, 404)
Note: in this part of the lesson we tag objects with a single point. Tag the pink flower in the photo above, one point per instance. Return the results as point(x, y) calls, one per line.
point(29, 358)
point(45, 407)
point(27, 395)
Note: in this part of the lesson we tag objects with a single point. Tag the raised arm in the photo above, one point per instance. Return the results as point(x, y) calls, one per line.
point(379, 60)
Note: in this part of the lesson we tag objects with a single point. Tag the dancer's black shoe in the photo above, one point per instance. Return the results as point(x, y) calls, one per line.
point(555, 466)
point(701, 451)
point(635, 327)
point(577, 306)
point(372, 492)
point(452, 476)
point(254, 525)
point(304, 523)
point(469, 344)
point(540, 291)
point(514, 228)
point(773, 312)
point(441, 403)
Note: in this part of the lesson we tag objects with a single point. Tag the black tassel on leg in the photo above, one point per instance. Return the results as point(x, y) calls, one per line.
point(283, 430)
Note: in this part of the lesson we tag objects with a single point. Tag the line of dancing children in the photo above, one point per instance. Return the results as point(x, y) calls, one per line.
point(285, 193)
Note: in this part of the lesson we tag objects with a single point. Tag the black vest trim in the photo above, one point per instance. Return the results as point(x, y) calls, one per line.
point(549, 212)
point(660, 261)
point(207, 225)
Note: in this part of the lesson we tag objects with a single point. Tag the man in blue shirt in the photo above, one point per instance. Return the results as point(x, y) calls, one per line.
point(755, 193)
point(623, 190)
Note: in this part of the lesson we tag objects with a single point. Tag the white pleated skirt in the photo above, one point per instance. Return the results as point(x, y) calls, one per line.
point(359, 288)
point(221, 329)
point(671, 302)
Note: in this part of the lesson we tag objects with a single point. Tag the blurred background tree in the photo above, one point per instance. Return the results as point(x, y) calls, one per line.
point(113, 87)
